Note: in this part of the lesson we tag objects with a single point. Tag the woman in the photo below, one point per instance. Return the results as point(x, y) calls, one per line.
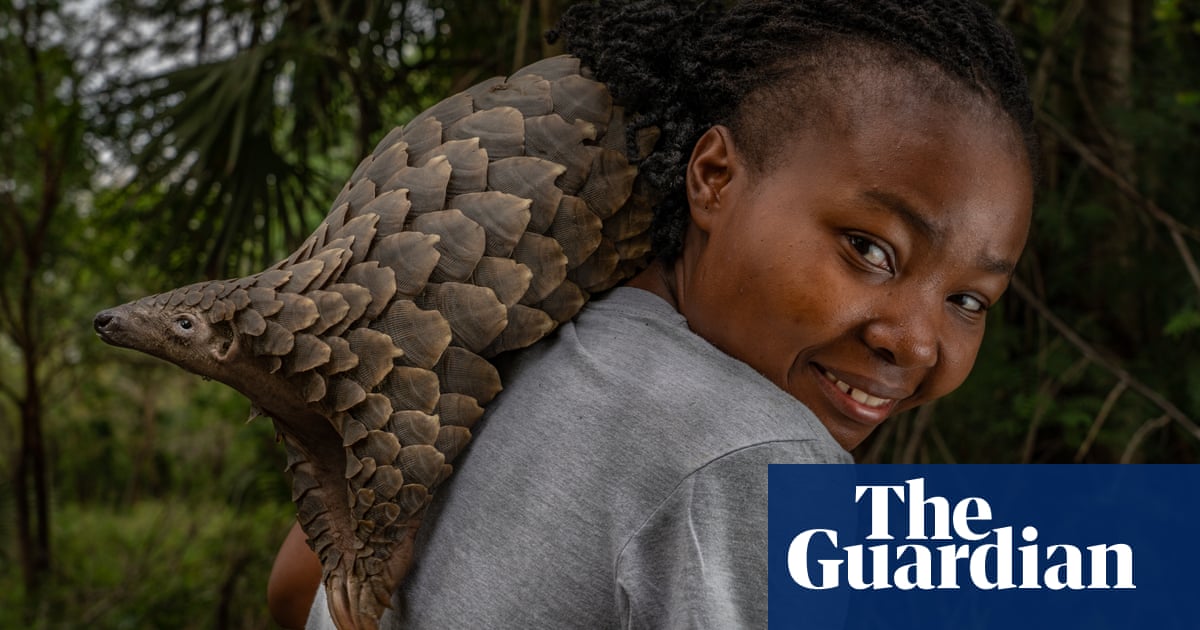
point(848, 188)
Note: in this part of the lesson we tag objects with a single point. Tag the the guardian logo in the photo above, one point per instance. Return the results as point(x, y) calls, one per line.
point(949, 547)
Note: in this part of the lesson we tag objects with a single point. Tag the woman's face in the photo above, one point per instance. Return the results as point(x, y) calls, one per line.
point(856, 268)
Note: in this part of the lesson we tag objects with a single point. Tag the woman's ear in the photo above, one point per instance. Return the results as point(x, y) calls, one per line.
point(709, 171)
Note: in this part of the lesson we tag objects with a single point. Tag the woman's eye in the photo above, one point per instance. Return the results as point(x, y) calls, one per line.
point(873, 254)
point(969, 303)
point(184, 323)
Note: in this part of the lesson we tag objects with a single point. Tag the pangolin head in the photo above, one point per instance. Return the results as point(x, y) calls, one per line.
point(241, 332)
point(292, 350)
point(166, 327)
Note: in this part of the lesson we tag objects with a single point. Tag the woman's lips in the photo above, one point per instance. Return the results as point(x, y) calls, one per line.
point(858, 395)
point(856, 403)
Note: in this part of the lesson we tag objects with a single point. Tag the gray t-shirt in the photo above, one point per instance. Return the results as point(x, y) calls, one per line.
point(619, 481)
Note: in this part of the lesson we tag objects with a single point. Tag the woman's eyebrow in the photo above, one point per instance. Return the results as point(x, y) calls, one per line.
point(900, 207)
point(997, 266)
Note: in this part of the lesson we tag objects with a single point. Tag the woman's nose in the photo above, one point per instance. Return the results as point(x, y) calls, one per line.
point(905, 334)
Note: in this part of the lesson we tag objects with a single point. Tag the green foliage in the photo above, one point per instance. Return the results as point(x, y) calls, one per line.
point(243, 149)
point(156, 564)
point(1182, 323)
point(1098, 258)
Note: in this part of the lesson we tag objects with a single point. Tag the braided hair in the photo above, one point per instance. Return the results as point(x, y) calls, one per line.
point(765, 67)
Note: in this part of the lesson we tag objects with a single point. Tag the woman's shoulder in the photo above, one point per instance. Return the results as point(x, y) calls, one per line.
point(629, 374)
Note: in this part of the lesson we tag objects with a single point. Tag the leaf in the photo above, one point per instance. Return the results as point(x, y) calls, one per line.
point(1182, 323)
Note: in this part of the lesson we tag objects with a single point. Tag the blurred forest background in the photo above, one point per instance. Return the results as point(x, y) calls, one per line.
point(146, 145)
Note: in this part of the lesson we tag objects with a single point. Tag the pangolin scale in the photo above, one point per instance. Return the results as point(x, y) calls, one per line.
point(475, 229)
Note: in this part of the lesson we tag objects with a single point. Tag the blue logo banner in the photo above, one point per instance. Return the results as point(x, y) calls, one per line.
point(989, 547)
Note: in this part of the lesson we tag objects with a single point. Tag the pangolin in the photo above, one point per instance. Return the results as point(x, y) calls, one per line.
point(475, 229)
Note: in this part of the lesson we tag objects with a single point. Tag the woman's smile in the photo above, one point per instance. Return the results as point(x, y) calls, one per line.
point(857, 401)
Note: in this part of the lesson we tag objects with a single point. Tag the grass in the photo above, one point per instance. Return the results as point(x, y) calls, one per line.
point(157, 564)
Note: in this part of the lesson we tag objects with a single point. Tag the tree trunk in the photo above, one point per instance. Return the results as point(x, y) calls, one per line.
point(52, 151)
point(29, 475)
point(32, 491)
point(1107, 74)
point(1103, 76)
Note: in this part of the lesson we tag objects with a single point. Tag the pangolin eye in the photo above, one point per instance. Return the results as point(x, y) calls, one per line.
point(184, 323)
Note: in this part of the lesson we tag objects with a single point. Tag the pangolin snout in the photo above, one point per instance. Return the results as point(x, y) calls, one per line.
point(106, 323)
point(102, 320)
